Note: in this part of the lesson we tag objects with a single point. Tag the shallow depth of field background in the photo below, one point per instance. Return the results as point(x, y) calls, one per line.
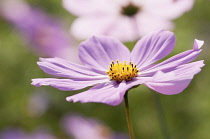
point(187, 114)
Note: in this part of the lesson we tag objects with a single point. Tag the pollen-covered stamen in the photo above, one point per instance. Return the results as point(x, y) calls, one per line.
point(122, 71)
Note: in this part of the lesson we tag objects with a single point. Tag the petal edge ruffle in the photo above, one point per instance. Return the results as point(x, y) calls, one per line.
point(102, 93)
point(175, 81)
point(177, 60)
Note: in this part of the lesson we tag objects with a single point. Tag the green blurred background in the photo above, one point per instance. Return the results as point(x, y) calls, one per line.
point(187, 114)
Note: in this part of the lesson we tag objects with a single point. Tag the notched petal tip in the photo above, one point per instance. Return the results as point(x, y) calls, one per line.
point(201, 63)
point(39, 63)
point(46, 59)
point(41, 59)
point(70, 99)
point(198, 44)
point(35, 82)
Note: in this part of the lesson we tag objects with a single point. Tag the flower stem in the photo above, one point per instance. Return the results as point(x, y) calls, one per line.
point(161, 116)
point(130, 129)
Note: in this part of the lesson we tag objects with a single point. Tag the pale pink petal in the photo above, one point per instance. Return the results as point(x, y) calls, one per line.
point(179, 59)
point(152, 48)
point(64, 68)
point(66, 84)
point(175, 81)
point(98, 52)
point(168, 9)
point(102, 93)
point(198, 44)
point(103, 17)
point(147, 23)
point(123, 23)
point(109, 93)
point(87, 7)
point(85, 27)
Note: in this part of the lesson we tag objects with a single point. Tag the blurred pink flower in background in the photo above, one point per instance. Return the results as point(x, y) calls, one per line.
point(38, 103)
point(74, 126)
point(44, 34)
point(86, 128)
point(16, 133)
point(127, 20)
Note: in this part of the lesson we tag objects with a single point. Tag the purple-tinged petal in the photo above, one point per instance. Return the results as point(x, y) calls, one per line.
point(123, 23)
point(93, 7)
point(66, 84)
point(106, 25)
point(98, 52)
point(175, 81)
point(100, 24)
point(190, 68)
point(179, 59)
point(146, 23)
point(152, 48)
point(168, 9)
point(74, 6)
point(108, 93)
point(64, 68)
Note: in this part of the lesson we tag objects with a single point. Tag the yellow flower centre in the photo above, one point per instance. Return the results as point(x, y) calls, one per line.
point(122, 71)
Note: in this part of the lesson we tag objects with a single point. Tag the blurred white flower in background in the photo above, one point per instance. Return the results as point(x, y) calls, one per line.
point(86, 128)
point(128, 20)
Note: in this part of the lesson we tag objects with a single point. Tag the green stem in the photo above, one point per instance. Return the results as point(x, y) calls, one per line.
point(130, 129)
point(161, 116)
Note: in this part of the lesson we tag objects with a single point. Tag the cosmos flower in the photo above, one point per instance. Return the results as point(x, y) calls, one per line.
point(45, 34)
point(88, 128)
point(112, 70)
point(127, 20)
